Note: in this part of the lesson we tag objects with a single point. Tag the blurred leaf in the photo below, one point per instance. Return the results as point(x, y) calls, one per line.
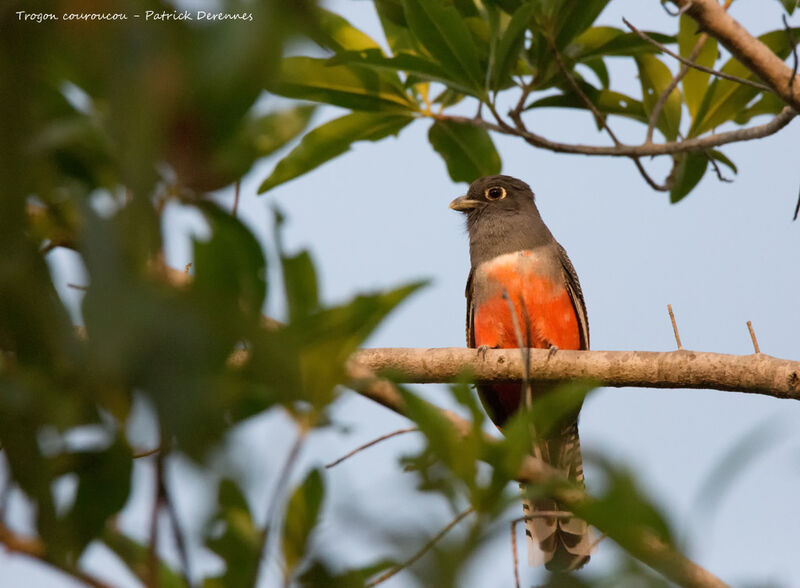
point(622, 511)
point(458, 452)
point(655, 77)
point(467, 150)
point(725, 99)
point(695, 82)
point(790, 5)
point(720, 479)
point(510, 44)
point(339, 35)
point(300, 280)
point(563, 402)
point(137, 559)
point(348, 86)
point(445, 35)
point(230, 268)
point(239, 544)
point(690, 170)
point(260, 136)
point(302, 512)
point(330, 140)
point(104, 479)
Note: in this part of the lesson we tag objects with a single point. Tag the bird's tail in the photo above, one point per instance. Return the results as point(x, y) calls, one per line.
point(560, 543)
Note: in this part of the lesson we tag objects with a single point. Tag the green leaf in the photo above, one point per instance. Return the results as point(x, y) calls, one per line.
point(723, 159)
point(302, 512)
point(442, 31)
point(573, 17)
point(725, 99)
point(611, 41)
point(790, 5)
point(655, 77)
point(230, 267)
point(413, 65)
point(339, 34)
point(331, 140)
point(606, 101)
point(598, 66)
point(769, 103)
point(467, 150)
point(239, 544)
point(690, 170)
point(351, 87)
point(137, 559)
point(510, 44)
point(395, 28)
point(300, 281)
point(695, 82)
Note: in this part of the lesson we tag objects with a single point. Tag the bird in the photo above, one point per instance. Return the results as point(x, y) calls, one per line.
point(523, 291)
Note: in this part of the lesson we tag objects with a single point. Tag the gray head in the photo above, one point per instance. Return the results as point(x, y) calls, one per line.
point(501, 217)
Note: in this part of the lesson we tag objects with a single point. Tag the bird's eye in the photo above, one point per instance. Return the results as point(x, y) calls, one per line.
point(495, 193)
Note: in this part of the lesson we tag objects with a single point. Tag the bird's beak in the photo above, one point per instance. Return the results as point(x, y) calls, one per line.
point(464, 204)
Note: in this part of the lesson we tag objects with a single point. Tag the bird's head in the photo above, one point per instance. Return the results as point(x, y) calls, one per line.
point(494, 193)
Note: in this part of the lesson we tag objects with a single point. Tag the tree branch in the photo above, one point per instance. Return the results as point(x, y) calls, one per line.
point(684, 146)
point(755, 374)
point(757, 57)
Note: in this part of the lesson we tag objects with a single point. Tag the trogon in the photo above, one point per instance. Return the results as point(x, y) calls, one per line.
point(522, 288)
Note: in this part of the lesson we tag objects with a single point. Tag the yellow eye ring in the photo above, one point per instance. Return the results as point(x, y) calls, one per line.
point(495, 193)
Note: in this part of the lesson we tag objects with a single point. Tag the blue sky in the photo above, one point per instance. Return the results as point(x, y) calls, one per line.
point(728, 253)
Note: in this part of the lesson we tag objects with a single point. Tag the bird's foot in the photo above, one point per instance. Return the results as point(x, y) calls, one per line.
point(551, 351)
point(482, 351)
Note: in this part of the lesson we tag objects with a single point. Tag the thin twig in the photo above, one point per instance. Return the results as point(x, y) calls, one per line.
point(236, 197)
point(601, 120)
point(623, 150)
point(421, 552)
point(753, 337)
point(797, 208)
point(674, 326)
point(152, 549)
point(277, 496)
point(696, 66)
point(370, 444)
point(662, 99)
point(180, 544)
point(77, 286)
point(146, 452)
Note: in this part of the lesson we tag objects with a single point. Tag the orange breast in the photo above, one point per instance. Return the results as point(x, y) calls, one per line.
point(537, 299)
